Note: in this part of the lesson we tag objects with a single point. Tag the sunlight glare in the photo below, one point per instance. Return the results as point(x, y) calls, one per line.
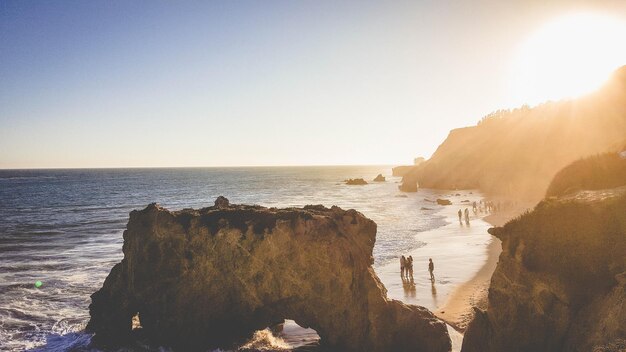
point(568, 57)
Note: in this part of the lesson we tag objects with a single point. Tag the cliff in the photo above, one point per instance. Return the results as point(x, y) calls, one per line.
point(560, 283)
point(402, 170)
point(207, 278)
point(596, 172)
point(517, 152)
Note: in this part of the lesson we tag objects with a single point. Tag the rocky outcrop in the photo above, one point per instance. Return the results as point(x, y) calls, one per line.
point(441, 201)
point(560, 283)
point(408, 187)
point(516, 153)
point(207, 278)
point(402, 170)
point(222, 202)
point(356, 182)
point(379, 178)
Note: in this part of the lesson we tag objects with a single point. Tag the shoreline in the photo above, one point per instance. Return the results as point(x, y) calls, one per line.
point(457, 249)
point(458, 311)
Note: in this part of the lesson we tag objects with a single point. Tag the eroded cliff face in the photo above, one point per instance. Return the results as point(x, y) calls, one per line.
point(211, 277)
point(517, 153)
point(560, 283)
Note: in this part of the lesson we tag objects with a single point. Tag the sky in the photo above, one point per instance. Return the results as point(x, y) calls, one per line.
point(249, 83)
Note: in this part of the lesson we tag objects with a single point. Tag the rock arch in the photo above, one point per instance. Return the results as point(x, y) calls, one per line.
point(211, 277)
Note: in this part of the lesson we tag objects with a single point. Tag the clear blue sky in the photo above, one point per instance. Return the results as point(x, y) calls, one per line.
point(151, 83)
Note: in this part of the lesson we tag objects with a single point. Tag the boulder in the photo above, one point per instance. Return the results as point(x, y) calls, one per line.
point(379, 178)
point(210, 278)
point(356, 182)
point(441, 201)
point(222, 202)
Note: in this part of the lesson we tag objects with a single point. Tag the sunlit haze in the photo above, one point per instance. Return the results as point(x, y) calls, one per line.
point(568, 57)
point(116, 84)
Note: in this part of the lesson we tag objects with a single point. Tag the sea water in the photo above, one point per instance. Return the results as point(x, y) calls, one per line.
point(64, 228)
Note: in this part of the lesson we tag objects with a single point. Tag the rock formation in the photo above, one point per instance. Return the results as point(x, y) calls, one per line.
point(402, 170)
point(517, 152)
point(408, 187)
point(222, 202)
point(211, 277)
point(356, 182)
point(441, 201)
point(560, 283)
point(379, 178)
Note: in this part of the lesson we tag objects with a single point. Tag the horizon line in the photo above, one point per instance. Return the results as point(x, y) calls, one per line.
point(192, 167)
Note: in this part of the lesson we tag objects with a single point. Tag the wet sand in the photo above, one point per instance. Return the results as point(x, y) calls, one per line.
point(458, 310)
point(465, 257)
point(458, 251)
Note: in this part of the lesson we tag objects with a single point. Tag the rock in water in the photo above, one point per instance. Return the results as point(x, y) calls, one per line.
point(209, 278)
point(356, 182)
point(441, 201)
point(379, 178)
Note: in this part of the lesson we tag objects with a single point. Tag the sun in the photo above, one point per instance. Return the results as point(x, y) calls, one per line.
point(568, 57)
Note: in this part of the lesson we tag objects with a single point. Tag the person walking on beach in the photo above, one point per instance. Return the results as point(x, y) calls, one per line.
point(431, 268)
point(466, 215)
point(402, 266)
point(460, 216)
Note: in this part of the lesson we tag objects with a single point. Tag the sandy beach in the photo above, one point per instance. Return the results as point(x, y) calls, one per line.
point(458, 309)
point(464, 257)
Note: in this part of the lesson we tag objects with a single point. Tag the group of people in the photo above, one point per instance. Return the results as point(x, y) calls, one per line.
point(406, 268)
point(488, 206)
point(484, 206)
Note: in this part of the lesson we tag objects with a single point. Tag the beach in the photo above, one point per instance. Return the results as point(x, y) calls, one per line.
point(464, 256)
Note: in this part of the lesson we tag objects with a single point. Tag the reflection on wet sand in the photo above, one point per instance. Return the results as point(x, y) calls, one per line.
point(408, 285)
point(433, 290)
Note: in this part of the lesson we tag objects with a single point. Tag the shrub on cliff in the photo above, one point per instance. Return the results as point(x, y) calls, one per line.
point(602, 171)
point(550, 236)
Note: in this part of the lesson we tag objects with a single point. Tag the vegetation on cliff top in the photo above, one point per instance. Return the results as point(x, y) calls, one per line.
point(518, 152)
point(560, 283)
point(596, 172)
point(550, 238)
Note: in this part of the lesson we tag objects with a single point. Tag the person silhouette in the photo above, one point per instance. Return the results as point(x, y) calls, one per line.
point(431, 269)
point(460, 216)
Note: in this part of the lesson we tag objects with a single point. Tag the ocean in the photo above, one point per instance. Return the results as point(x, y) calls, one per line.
point(64, 228)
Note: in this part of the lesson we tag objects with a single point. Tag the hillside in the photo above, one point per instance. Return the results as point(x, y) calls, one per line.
point(517, 152)
point(560, 282)
point(596, 172)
